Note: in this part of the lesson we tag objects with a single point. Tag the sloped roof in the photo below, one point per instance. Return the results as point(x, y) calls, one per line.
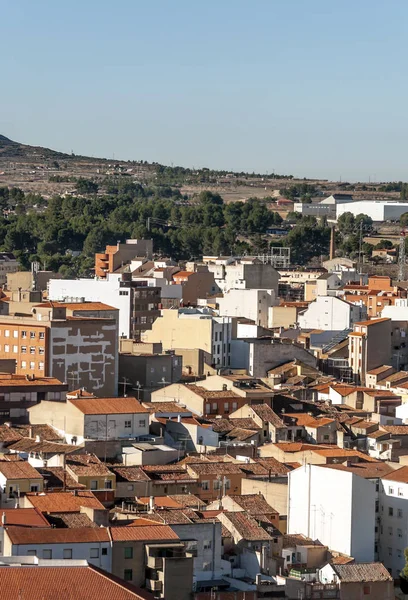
point(253, 504)
point(246, 526)
point(109, 406)
point(265, 413)
point(143, 534)
point(55, 502)
point(358, 572)
point(27, 535)
point(18, 470)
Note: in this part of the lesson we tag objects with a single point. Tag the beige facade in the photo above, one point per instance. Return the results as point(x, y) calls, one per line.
point(369, 347)
point(283, 316)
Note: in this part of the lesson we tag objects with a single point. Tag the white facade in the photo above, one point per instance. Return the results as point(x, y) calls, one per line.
point(394, 524)
point(106, 290)
point(249, 303)
point(115, 426)
point(329, 313)
point(378, 210)
point(242, 275)
point(335, 507)
point(398, 312)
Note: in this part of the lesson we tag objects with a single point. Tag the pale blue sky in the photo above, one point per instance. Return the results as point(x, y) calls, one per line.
point(308, 87)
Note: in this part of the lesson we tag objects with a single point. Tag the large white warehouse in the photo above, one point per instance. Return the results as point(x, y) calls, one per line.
point(378, 210)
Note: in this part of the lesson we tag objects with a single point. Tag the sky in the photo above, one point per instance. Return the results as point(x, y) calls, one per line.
point(313, 88)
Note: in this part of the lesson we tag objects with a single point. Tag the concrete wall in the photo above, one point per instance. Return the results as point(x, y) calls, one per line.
point(267, 354)
point(329, 314)
point(249, 303)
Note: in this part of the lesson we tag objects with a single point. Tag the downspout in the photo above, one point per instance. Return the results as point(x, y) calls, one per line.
point(213, 549)
point(111, 545)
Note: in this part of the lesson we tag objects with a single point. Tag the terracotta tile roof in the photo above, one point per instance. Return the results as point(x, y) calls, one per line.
point(45, 432)
point(26, 535)
point(24, 517)
point(143, 534)
point(166, 407)
point(305, 420)
point(76, 305)
point(273, 466)
point(341, 560)
point(293, 540)
point(173, 516)
point(254, 469)
point(245, 525)
point(400, 475)
point(214, 394)
point(30, 445)
point(187, 500)
point(373, 321)
point(222, 425)
point(71, 520)
point(295, 446)
point(253, 504)
point(102, 406)
point(9, 434)
point(358, 572)
point(159, 501)
point(344, 390)
point(339, 452)
point(87, 464)
point(11, 379)
point(215, 468)
point(379, 370)
point(377, 434)
point(241, 434)
point(396, 429)
point(54, 479)
point(18, 470)
point(129, 474)
point(265, 413)
point(81, 393)
point(244, 423)
point(55, 502)
point(372, 470)
point(39, 582)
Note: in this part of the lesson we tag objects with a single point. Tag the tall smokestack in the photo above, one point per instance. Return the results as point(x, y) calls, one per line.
point(332, 244)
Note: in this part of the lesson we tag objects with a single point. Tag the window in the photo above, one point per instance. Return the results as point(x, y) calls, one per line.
point(31, 552)
point(367, 590)
point(15, 334)
point(130, 487)
point(6, 348)
point(6, 333)
point(41, 350)
point(34, 488)
point(108, 484)
point(207, 566)
point(129, 552)
point(94, 553)
point(23, 349)
point(207, 545)
point(389, 530)
point(67, 553)
point(41, 366)
point(128, 574)
point(390, 511)
point(24, 335)
point(235, 406)
point(389, 551)
point(23, 364)
point(142, 423)
point(214, 407)
point(400, 492)
point(399, 513)
point(32, 349)
point(391, 491)
point(217, 484)
point(143, 320)
point(41, 335)
point(205, 485)
point(94, 484)
point(47, 554)
point(227, 484)
point(399, 533)
point(32, 365)
point(399, 553)
point(128, 424)
point(32, 335)
point(15, 349)
point(104, 552)
point(226, 407)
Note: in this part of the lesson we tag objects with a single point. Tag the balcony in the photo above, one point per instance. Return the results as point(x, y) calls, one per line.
point(155, 562)
point(154, 585)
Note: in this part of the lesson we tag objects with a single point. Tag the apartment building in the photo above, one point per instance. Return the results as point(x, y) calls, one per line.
point(82, 419)
point(253, 304)
point(138, 301)
point(199, 329)
point(369, 347)
point(116, 256)
point(329, 313)
point(74, 343)
point(8, 264)
point(394, 520)
point(245, 273)
point(335, 507)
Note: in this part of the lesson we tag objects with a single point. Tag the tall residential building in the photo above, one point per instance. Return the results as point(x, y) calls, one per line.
point(369, 347)
point(116, 256)
point(394, 520)
point(138, 301)
point(335, 507)
point(76, 343)
point(241, 274)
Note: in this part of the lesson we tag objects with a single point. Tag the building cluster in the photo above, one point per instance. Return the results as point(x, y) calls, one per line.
point(222, 429)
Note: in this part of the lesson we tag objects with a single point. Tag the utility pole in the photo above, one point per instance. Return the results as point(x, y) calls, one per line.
point(125, 382)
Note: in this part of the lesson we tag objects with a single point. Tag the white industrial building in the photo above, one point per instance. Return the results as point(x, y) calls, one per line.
point(335, 507)
point(378, 210)
point(330, 313)
point(324, 208)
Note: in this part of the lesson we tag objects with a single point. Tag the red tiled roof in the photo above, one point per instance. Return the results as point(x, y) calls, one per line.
point(27, 535)
point(24, 517)
point(147, 533)
point(102, 406)
point(18, 470)
point(40, 582)
point(64, 501)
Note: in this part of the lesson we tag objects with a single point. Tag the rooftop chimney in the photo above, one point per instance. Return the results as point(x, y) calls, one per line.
point(37, 439)
point(3, 519)
point(151, 503)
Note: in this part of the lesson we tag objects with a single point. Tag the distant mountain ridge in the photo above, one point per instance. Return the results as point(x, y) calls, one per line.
point(9, 149)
